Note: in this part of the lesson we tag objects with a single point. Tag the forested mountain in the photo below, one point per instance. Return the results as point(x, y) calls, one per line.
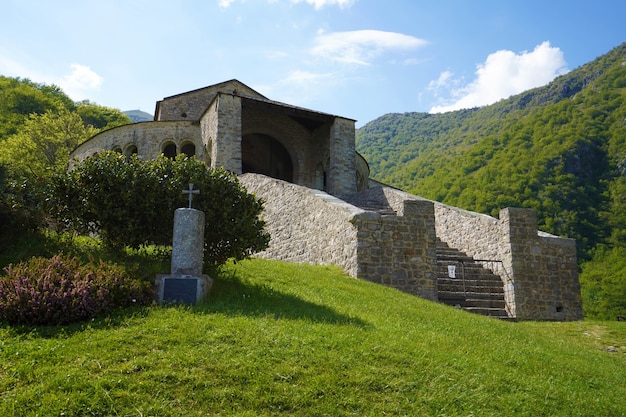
point(559, 149)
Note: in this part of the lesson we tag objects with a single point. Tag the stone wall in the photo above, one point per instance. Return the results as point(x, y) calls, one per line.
point(221, 132)
point(399, 250)
point(342, 175)
point(311, 226)
point(147, 137)
point(544, 269)
point(540, 271)
point(306, 225)
point(192, 104)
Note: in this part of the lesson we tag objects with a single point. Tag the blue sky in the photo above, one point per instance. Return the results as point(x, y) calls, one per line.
point(355, 58)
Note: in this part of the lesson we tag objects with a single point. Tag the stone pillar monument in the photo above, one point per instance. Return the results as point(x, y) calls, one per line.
point(186, 284)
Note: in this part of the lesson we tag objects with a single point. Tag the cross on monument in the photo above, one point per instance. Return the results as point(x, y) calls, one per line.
point(191, 192)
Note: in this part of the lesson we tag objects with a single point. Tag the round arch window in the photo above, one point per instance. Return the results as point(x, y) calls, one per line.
point(169, 149)
point(130, 150)
point(188, 149)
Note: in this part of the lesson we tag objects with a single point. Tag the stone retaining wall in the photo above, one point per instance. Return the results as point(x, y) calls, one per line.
point(311, 226)
point(544, 269)
point(306, 225)
point(540, 273)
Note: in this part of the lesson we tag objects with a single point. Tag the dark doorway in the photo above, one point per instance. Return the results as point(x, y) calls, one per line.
point(262, 154)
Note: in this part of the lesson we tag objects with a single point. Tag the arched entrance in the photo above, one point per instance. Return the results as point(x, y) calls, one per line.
point(262, 154)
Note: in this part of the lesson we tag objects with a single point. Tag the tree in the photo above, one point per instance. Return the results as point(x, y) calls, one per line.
point(20, 98)
point(131, 202)
point(43, 145)
point(101, 117)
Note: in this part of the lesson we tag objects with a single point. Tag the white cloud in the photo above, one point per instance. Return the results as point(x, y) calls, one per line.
point(300, 87)
point(361, 46)
point(502, 75)
point(225, 3)
point(79, 81)
point(76, 84)
point(318, 4)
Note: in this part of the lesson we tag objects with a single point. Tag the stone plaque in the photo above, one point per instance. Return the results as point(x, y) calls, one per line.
point(180, 290)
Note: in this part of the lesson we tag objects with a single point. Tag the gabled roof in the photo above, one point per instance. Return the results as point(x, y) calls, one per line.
point(233, 86)
point(193, 103)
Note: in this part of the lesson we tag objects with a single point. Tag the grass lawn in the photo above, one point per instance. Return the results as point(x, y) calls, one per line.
point(276, 338)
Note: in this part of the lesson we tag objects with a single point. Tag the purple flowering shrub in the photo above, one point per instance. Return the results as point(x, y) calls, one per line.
point(62, 290)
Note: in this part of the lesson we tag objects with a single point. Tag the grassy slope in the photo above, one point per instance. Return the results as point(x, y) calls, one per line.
point(303, 340)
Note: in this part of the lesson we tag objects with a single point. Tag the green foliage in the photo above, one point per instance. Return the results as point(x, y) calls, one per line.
point(558, 149)
point(19, 98)
point(131, 202)
point(20, 211)
point(101, 117)
point(555, 149)
point(283, 339)
point(43, 144)
point(603, 284)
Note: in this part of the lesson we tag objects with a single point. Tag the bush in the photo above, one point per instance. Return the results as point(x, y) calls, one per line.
point(61, 290)
point(20, 211)
point(603, 284)
point(131, 202)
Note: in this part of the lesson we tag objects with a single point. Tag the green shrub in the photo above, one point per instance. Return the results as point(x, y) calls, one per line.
point(20, 210)
point(131, 202)
point(61, 290)
point(603, 284)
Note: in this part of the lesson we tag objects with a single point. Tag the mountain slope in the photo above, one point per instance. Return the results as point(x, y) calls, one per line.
point(139, 116)
point(559, 149)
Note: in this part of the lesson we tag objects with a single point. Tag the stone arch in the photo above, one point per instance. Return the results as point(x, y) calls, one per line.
point(188, 148)
point(264, 154)
point(117, 149)
point(168, 148)
point(130, 150)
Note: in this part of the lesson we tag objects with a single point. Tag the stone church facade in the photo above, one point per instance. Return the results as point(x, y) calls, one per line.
point(321, 206)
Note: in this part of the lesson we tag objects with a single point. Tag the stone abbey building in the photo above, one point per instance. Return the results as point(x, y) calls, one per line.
point(321, 206)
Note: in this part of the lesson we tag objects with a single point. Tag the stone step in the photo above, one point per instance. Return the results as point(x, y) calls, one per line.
point(449, 256)
point(485, 303)
point(475, 289)
point(491, 312)
point(472, 286)
point(485, 295)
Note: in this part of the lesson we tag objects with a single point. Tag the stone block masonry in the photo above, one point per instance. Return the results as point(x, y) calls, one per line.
point(544, 269)
point(540, 273)
point(306, 225)
point(311, 226)
point(389, 237)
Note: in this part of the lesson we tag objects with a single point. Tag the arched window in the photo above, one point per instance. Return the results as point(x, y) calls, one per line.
point(130, 150)
point(188, 149)
point(169, 149)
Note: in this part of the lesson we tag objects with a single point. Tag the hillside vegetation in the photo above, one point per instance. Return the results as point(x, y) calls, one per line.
point(558, 149)
point(278, 338)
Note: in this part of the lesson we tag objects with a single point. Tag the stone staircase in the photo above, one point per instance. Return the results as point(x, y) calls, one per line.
point(475, 289)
